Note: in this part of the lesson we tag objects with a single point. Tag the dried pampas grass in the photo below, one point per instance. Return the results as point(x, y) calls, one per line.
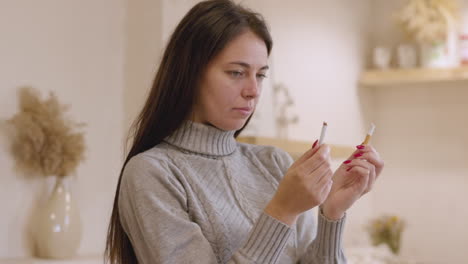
point(45, 142)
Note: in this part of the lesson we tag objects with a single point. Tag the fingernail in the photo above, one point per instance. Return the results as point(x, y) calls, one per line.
point(315, 143)
point(347, 161)
point(360, 147)
point(349, 168)
point(358, 155)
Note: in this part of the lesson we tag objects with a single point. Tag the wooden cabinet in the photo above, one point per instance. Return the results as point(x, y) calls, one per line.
point(297, 148)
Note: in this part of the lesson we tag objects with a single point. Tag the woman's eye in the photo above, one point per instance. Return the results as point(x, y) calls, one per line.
point(261, 76)
point(236, 74)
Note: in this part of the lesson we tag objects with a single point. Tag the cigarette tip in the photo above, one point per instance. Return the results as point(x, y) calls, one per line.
point(371, 130)
point(325, 124)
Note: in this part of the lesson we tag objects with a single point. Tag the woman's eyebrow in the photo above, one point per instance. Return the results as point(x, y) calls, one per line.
point(246, 65)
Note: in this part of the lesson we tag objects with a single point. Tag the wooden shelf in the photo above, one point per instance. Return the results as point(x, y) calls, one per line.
point(76, 260)
point(297, 148)
point(409, 76)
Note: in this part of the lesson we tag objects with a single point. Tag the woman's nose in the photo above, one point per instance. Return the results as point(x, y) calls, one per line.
point(251, 89)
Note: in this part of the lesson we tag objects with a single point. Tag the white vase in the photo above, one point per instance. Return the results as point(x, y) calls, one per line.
point(381, 57)
point(442, 54)
point(57, 225)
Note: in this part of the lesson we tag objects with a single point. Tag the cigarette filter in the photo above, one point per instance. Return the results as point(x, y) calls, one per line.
point(369, 135)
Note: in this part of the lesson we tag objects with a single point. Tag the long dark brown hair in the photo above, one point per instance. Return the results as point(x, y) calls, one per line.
point(200, 36)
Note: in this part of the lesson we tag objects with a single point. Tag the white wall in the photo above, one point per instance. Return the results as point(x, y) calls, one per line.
point(143, 50)
point(318, 53)
point(422, 135)
point(75, 48)
point(423, 139)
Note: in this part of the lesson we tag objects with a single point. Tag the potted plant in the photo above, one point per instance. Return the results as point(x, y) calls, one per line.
point(387, 230)
point(46, 143)
point(433, 25)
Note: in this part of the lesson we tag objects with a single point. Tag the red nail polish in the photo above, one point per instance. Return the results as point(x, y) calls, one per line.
point(358, 155)
point(349, 168)
point(347, 161)
point(360, 147)
point(315, 143)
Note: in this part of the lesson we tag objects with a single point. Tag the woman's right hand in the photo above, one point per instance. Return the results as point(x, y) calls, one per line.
point(305, 186)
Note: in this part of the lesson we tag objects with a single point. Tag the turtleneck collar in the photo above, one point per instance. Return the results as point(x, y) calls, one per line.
point(203, 139)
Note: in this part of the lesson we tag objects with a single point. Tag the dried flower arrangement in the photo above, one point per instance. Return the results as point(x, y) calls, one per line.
point(283, 101)
point(427, 21)
point(46, 142)
point(387, 230)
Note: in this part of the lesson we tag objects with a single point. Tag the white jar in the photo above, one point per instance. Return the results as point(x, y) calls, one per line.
point(381, 57)
point(463, 37)
point(406, 54)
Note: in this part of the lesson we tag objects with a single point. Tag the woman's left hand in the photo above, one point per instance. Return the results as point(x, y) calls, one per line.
point(354, 178)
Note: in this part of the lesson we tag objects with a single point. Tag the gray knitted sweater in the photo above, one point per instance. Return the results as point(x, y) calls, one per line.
point(198, 197)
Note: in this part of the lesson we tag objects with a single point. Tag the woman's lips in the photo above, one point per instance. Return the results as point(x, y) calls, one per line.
point(244, 110)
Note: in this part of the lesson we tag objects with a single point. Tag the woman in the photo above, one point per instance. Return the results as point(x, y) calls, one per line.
point(189, 193)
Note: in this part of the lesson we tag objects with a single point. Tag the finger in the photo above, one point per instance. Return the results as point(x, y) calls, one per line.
point(308, 154)
point(372, 178)
point(369, 150)
point(363, 179)
point(359, 163)
point(314, 176)
point(322, 174)
point(316, 160)
point(374, 159)
point(361, 149)
point(371, 168)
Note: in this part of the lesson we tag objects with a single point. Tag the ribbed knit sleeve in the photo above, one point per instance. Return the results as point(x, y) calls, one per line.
point(326, 248)
point(267, 240)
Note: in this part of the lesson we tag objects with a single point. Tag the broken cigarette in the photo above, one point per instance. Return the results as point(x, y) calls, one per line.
point(369, 135)
point(322, 134)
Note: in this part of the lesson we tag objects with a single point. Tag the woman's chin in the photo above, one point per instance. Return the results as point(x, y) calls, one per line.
point(230, 125)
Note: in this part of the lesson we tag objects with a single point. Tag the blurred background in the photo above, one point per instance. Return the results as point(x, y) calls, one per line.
point(345, 62)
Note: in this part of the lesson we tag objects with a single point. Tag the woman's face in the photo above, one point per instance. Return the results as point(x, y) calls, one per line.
point(231, 85)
